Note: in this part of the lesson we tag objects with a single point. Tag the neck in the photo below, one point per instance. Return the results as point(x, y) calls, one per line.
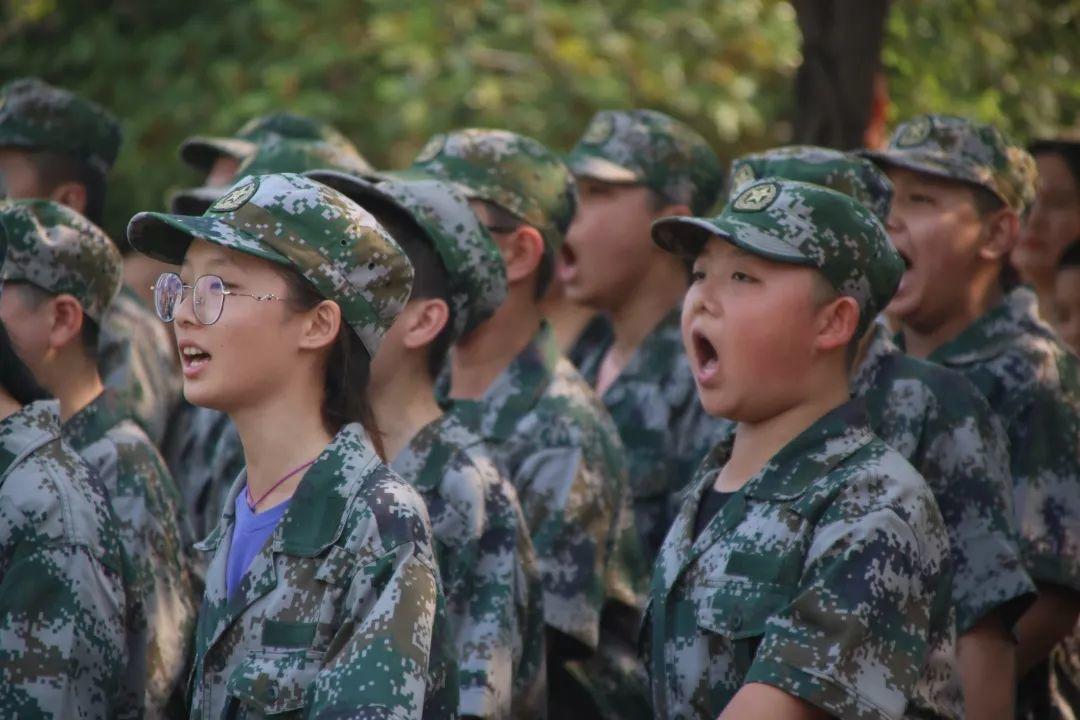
point(757, 442)
point(983, 297)
point(404, 404)
point(567, 319)
point(278, 434)
point(75, 382)
point(8, 405)
point(860, 354)
point(652, 299)
point(479, 358)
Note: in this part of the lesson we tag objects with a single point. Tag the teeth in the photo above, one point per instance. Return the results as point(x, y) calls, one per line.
point(192, 352)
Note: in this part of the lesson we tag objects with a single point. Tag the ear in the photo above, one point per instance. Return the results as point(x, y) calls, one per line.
point(1002, 230)
point(837, 322)
point(321, 326)
point(72, 194)
point(66, 321)
point(522, 251)
point(675, 209)
point(424, 319)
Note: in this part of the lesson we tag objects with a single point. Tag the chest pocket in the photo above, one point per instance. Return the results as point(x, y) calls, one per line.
point(272, 684)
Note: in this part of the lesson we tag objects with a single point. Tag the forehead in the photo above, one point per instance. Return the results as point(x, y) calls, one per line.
point(205, 256)
point(903, 177)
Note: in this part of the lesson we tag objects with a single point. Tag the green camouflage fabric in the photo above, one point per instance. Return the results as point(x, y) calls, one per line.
point(664, 428)
point(960, 149)
point(803, 224)
point(57, 249)
point(37, 116)
point(275, 155)
point(1032, 384)
point(200, 151)
point(204, 455)
point(826, 576)
point(646, 147)
point(841, 171)
point(473, 264)
point(64, 650)
point(513, 171)
point(488, 568)
point(341, 613)
point(552, 437)
point(147, 509)
point(291, 220)
point(137, 358)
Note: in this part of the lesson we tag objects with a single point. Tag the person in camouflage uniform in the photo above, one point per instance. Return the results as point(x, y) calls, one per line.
point(808, 566)
point(633, 167)
point(64, 610)
point(960, 188)
point(59, 146)
point(337, 610)
point(544, 426)
point(942, 425)
point(202, 448)
point(487, 563)
point(54, 257)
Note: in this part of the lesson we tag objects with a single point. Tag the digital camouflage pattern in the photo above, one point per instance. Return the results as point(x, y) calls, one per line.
point(664, 428)
point(58, 250)
point(474, 267)
point(960, 149)
point(204, 456)
point(276, 155)
point(341, 614)
point(201, 151)
point(1032, 384)
point(513, 171)
point(551, 436)
point(291, 220)
point(844, 172)
point(64, 650)
point(37, 116)
point(826, 576)
point(147, 510)
point(646, 147)
point(803, 224)
point(488, 568)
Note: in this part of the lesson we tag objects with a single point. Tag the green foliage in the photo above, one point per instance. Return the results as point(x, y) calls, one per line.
point(391, 73)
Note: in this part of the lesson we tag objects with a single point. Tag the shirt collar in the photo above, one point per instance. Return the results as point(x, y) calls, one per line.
point(994, 332)
point(26, 430)
point(90, 424)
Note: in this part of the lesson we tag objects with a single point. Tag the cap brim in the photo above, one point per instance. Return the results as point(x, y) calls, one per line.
point(597, 168)
point(686, 236)
point(194, 201)
point(166, 237)
point(926, 165)
point(201, 151)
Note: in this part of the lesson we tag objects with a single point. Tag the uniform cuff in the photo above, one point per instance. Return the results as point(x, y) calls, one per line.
point(837, 700)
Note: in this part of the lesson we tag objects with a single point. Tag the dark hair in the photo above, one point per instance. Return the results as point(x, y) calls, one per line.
point(1067, 151)
point(15, 378)
point(348, 369)
point(1071, 257)
point(507, 221)
point(430, 278)
point(986, 202)
point(34, 296)
point(54, 168)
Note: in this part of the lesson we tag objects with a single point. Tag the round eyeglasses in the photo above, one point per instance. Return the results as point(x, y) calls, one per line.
point(207, 296)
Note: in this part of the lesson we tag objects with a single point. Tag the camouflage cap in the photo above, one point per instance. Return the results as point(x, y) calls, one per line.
point(60, 251)
point(653, 149)
point(474, 267)
point(201, 151)
point(959, 149)
point(291, 220)
point(276, 155)
point(841, 171)
point(37, 116)
point(804, 224)
point(513, 171)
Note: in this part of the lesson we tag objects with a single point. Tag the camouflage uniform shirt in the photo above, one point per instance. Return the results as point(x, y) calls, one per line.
point(63, 611)
point(147, 509)
point(489, 571)
point(137, 357)
point(551, 435)
point(340, 614)
point(663, 426)
point(826, 576)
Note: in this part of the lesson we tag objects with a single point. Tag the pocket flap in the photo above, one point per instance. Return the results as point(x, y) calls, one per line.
point(737, 615)
point(274, 683)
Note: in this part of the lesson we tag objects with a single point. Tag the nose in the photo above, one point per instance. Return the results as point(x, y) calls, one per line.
point(893, 222)
point(184, 314)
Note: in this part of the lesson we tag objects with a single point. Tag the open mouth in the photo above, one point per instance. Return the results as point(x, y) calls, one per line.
point(905, 258)
point(193, 357)
point(567, 263)
point(705, 356)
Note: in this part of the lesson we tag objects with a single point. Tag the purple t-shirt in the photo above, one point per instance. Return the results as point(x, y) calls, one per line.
point(250, 534)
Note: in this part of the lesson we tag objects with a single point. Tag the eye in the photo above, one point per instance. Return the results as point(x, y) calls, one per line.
point(741, 277)
point(921, 198)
